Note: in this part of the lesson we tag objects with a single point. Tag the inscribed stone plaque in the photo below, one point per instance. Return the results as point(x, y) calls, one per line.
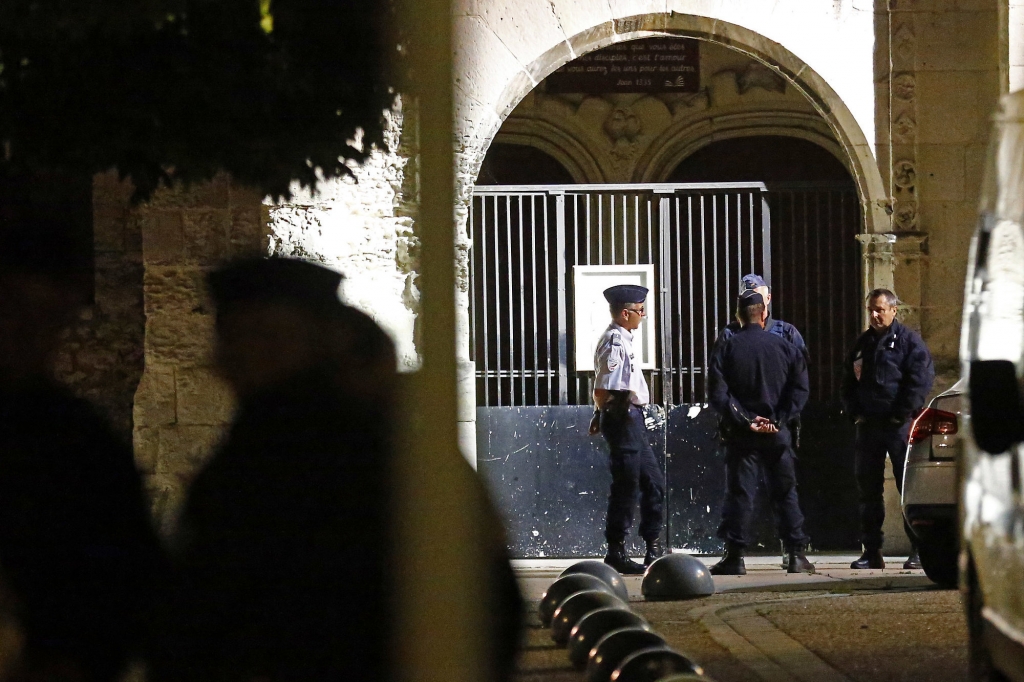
point(650, 65)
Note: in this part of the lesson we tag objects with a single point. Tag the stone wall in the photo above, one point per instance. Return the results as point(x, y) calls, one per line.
point(181, 407)
point(939, 73)
point(363, 227)
point(101, 357)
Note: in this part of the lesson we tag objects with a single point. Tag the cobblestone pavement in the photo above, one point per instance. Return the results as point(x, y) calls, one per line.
point(839, 625)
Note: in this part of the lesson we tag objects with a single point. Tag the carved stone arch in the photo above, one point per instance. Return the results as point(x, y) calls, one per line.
point(856, 148)
point(683, 139)
point(555, 142)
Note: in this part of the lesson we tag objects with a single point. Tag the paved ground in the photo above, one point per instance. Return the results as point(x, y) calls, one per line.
point(839, 625)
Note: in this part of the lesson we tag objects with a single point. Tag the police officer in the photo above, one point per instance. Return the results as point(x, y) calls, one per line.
point(886, 378)
point(620, 392)
point(284, 562)
point(783, 330)
point(758, 384)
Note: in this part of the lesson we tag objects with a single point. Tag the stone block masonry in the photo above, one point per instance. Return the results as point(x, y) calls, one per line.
point(181, 407)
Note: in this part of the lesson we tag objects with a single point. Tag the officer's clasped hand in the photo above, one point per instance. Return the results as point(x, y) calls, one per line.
point(763, 425)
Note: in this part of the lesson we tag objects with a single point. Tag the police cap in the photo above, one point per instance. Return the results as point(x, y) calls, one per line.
point(279, 280)
point(626, 293)
point(749, 298)
point(751, 282)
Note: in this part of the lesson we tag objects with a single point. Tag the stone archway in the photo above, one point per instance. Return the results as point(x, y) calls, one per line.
point(480, 113)
point(856, 150)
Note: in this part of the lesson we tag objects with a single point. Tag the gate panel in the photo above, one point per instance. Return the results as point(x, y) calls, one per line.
point(548, 476)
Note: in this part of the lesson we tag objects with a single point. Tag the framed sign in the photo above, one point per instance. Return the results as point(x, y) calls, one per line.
point(650, 65)
point(592, 316)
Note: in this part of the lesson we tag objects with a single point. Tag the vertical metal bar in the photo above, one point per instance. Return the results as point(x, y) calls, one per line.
point(766, 238)
point(832, 302)
point(611, 226)
point(482, 250)
point(471, 229)
point(665, 294)
point(576, 261)
point(600, 232)
point(497, 309)
point(751, 227)
point(778, 290)
point(725, 258)
point(548, 354)
point(689, 250)
point(625, 228)
point(818, 289)
point(510, 319)
point(636, 227)
point(650, 235)
point(563, 355)
point(842, 271)
point(522, 310)
point(704, 296)
point(534, 313)
point(677, 322)
point(714, 251)
point(739, 243)
point(807, 271)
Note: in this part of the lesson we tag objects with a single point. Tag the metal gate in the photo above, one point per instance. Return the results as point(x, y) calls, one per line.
point(551, 479)
point(700, 238)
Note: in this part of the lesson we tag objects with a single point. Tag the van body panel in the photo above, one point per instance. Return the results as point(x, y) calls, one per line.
point(991, 506)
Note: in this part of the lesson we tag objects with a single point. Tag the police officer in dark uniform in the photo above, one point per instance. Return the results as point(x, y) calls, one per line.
point(758, 384)
point(284, 561)
point(80, 557)
point(620, 392)
point(780, 328)
point(886, 379)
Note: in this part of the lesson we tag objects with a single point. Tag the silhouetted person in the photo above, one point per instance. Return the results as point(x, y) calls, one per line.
point(77, 549)
point(285, 541)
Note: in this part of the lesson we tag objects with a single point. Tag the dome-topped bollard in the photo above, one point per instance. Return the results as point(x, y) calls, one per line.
point(677, 577)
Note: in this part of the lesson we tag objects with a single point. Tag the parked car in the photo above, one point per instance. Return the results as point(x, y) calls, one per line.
point(992, 429)
point(930, 490)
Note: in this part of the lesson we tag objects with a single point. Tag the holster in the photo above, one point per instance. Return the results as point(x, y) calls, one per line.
point(615, 410)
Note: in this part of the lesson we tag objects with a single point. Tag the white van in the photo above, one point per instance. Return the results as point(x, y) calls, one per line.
point(991, 350)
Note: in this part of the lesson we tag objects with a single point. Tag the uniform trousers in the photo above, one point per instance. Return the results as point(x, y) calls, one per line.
point(635, 471)
point(742, 469)
point(872, 442)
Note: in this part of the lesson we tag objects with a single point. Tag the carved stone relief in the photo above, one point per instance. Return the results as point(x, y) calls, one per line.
point(757, 75)
point(904, 43)
point(904, 130)
point(904, 86)
point(904, 175)
point(905, 215)
point(622, 126)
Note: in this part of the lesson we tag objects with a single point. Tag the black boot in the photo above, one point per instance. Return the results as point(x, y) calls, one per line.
point(798, 563)
point(620, 561)
point(913, 562)
point(731, 563)
point(654, 550)
point(871, 558)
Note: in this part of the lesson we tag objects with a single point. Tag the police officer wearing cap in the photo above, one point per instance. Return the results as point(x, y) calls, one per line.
point(886, 379)
point(620, 392)
point(784, 330)
point(758, 384)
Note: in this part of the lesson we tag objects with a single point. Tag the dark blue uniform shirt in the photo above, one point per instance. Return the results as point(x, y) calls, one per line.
point(895, 374)
point(756, 373)
point(784, 330)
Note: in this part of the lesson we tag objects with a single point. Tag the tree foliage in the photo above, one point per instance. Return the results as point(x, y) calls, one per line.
point(177, 90)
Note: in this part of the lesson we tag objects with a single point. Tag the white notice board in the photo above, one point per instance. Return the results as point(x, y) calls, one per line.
point(592, 316)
